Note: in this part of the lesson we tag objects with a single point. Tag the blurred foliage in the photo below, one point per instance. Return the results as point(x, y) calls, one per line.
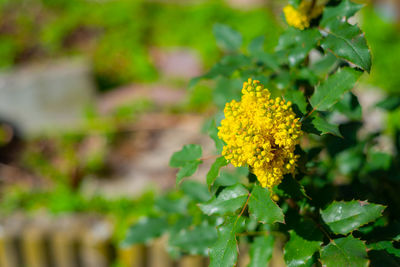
point(118, 34)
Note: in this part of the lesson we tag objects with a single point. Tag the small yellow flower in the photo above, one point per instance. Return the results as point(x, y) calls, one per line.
point(262, 133)
point(300, 18)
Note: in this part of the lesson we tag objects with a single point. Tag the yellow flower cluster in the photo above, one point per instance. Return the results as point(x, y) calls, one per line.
point(262, 133)
point(300, 18)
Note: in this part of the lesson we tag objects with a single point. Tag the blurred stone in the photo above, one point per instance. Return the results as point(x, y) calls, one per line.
point(46, 97)
point(177, 62)
point(143, 159)
point(159, 95)
point(373, 118)
point(247, 4)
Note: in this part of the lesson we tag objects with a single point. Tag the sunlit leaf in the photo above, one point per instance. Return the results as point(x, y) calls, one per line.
point(345, 217)
point(344, 252)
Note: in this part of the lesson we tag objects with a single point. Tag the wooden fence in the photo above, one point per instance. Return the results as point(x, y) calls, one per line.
point(82, 241)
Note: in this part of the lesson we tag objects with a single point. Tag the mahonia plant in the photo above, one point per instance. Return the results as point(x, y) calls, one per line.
point(294, 164)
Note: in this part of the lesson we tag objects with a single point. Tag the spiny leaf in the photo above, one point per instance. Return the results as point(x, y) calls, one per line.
point(345, 217)
point(347, 41)
point(299, 250)
point(261, 251)
point(345, 9)
point(228, 201)
point(332, 89)
point(344, 252)
point(214, 170)
point(145, 230)
point(263, 208)
point(319, 126)
point(224, 252)
point(297, 44)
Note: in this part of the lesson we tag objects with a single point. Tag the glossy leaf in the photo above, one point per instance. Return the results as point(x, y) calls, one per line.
point(344, 252)
point(319, 126)
point(346, 41)
point(145, 230)
point(224, 252)
point(228, 201)
point(297, 44)
point(333, 88)
point(345, 217)
point(261, 251)
point(263, 208)
point(214, 170)
point(345, 9)
point(227, 38)
point(298, 250)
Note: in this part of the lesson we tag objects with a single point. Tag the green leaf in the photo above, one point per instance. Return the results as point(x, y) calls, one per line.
point(298, 99)
point(213, 133)
point(188, 170)
point(228, 201)
point(385, 245)
point(378, 161)
point(350, 160)
point(345, 9)
point(214, 170)
point(261, 251)
point(325, 65)
point(145, 230)
point(297, 44)
point(332, 89)
point(299, 250)
point(256, 45)
point(347, 41)
point(263, 208)
point(171, 205)
point(187, 159)
point(187, 154)
point(227, 38)
point(319, 126)
point(224, 252)
point(349, 106)
point(345, 217)
point(390, 103)
point(344, 252)
point(195, 241)
point(267, 59)
point(196, 191)
point(326, 127)
point(290, 188)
